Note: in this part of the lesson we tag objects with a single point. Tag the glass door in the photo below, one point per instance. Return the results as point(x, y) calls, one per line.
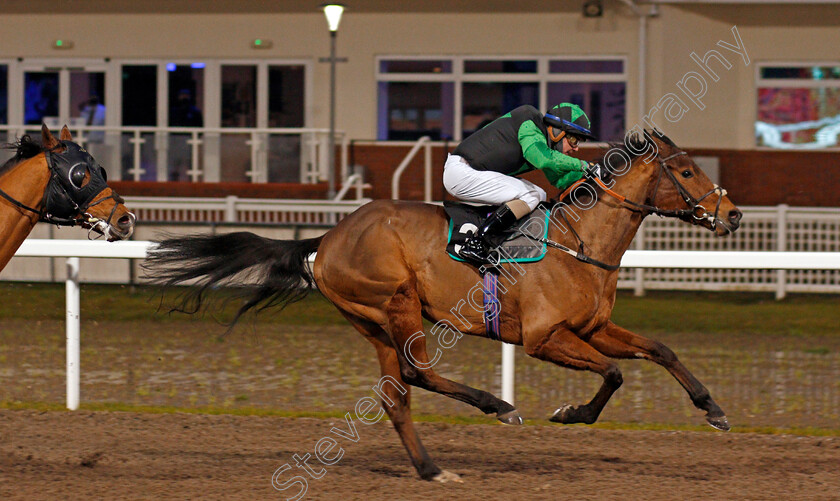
point(5, 136)
point(40, 97)
point(59, 95)
point(63, 95)
point(185, 82)
point(139, 108)
point(71, 93)
point(239, 110)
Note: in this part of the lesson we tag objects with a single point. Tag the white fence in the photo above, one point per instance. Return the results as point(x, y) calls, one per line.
point(763, 229)
point(74, 249)
point(781, 228)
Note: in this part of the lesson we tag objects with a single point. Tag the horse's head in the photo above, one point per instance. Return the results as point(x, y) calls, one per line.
point(679, 188)
point(78, 191)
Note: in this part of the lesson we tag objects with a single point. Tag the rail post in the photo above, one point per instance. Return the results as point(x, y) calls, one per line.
point(73, 330)
point(230, 208)
point(639, 273)
point(507, 372)
point(781, 246)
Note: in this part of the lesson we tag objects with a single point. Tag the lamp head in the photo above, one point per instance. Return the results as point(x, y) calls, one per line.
point(333, 11)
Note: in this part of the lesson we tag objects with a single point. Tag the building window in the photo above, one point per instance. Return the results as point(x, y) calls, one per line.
point(415, 66)
point(410, 110)
point(598, 86)
point(484, 102)
point(798, 106)
point(450, 98)
point(494, 66)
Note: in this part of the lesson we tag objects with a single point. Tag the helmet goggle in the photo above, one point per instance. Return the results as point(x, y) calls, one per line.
point(567, 129)
point(573, 140)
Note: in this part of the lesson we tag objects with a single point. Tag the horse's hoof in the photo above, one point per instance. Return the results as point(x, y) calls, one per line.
point(510, 417)
point(719, 422)
point(561, 415)
point(446, 476)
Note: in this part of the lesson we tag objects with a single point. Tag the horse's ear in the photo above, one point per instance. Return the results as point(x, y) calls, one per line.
point(47, 139)
point(65, 134)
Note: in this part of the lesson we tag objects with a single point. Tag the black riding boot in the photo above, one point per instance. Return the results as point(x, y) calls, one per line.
point(477, 248)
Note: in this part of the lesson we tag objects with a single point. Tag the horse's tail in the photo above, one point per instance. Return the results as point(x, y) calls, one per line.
point(275, 272)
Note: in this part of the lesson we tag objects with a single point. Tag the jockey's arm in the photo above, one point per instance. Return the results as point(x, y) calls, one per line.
point(561, 170)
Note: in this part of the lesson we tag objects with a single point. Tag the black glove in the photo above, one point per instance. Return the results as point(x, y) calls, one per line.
point(593, 170)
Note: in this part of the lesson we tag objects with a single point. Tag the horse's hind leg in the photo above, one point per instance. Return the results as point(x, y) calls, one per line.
point(396, 400)
point(614, 341)
point(564, 348)
point(404, 322)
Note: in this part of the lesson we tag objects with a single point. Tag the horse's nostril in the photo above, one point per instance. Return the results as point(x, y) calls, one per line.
point(124, 221)
point(735, 216)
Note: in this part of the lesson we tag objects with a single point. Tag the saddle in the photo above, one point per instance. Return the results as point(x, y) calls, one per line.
point(514, 245)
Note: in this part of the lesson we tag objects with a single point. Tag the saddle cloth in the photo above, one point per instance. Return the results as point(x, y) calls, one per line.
point(513, 245)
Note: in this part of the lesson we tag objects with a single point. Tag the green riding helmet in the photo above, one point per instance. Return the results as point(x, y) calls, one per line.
point(571, 119)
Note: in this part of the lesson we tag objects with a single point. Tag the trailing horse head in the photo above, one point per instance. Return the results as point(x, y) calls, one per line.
point(78, 192)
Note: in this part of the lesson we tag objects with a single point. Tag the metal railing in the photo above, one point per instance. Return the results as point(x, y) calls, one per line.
point(233, 209)
point(424, 142)
point(353, 181)
point(256, 155)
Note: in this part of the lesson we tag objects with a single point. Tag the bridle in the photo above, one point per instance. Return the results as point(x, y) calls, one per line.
point(694, 213)
point(64, 203)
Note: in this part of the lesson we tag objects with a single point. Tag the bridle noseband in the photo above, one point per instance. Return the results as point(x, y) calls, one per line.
point(66, 204)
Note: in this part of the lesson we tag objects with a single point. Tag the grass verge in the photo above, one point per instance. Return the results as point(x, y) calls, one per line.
point(798, 315)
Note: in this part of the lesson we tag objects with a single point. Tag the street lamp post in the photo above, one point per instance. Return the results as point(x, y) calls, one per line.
point(333, 12)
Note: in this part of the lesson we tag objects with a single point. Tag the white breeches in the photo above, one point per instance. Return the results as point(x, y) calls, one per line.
point(466, 183)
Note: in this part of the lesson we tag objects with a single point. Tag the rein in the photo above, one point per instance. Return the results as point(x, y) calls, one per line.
point(694, 214)
point(20, 205)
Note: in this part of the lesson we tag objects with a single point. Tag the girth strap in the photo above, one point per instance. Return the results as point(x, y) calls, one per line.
point(492, 306)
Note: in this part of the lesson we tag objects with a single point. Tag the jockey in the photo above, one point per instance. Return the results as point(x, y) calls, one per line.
point(483, 166)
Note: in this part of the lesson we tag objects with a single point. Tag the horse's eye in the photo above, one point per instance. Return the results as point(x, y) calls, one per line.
point(687, 174)
point(77, 175)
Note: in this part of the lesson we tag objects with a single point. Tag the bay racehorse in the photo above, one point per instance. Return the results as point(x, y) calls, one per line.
point(58, 182)
point(384, 267)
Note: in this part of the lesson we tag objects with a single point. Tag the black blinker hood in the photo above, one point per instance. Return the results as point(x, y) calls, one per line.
point(62, 199)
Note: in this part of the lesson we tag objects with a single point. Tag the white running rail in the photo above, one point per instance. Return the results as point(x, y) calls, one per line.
point(720, 260)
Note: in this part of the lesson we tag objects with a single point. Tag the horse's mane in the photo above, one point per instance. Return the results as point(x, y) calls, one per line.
point(25, 148)
point(634, 146)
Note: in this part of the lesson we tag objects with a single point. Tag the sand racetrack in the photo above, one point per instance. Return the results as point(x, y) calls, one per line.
point(121, 455)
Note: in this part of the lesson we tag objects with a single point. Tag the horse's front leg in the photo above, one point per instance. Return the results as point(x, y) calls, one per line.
point(614, 341)
point(564, 348)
